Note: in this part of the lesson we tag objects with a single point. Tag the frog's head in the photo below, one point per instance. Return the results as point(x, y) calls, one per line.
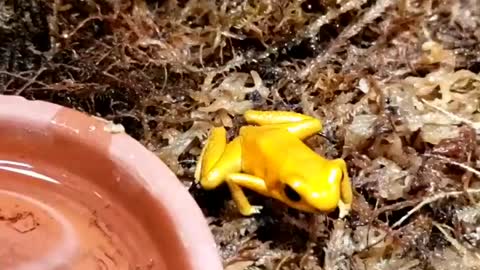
point(320, 191)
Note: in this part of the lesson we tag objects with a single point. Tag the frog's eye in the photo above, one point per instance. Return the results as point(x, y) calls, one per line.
point(291, 194)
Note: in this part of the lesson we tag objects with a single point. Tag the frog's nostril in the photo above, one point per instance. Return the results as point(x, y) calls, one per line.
point(291, 194)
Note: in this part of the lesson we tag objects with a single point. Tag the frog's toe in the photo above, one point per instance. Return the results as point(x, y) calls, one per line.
point(256, 209)
point(344, 209)
point(252, 210)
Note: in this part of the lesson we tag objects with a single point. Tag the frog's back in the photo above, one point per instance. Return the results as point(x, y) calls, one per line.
point(273, 153)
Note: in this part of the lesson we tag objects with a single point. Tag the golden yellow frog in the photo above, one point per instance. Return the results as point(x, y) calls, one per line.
point(271, 159)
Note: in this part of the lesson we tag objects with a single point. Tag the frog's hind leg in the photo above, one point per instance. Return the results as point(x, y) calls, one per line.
point(211, 153)
point(218, 161)
point(300, 125)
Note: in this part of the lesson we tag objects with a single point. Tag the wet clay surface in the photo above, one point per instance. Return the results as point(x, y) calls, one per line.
point(43, 226)
point(64, 205)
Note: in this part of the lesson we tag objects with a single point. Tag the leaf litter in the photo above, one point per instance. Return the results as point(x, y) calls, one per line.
point(396, 82)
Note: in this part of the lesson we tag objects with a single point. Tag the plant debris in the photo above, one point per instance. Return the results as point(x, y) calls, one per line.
point(396, 84)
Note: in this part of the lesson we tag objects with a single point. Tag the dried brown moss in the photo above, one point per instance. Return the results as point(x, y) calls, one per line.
point(396, 82)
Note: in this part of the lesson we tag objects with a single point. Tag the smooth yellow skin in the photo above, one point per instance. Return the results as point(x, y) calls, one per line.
point(271, 159)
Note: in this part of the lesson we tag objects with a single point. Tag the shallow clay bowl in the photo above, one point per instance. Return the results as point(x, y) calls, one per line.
point(75, 195)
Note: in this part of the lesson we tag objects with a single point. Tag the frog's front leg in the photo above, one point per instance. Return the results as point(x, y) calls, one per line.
point(300, 125)
point(346, 193)
point(218, 160)
point(259, 186)
point(238, 180)
point(251, 182)
point(239, 197)
point(241, 201)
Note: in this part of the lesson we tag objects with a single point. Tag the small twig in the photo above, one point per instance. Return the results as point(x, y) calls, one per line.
point(374, 12)
point(82, 24)
point(306, 254)
point(461, 165)
point(165, 79)
point(433, 199)
point(395, 207)
point(30, 81)
point(313, 29)
point(19, 77)
point(370, 245)
point(475, 125)
point(282, 262)
point(449, 238)
point(410, 265)
point(454, 242)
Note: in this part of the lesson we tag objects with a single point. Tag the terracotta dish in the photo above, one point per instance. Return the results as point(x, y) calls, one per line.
point(76, 194)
